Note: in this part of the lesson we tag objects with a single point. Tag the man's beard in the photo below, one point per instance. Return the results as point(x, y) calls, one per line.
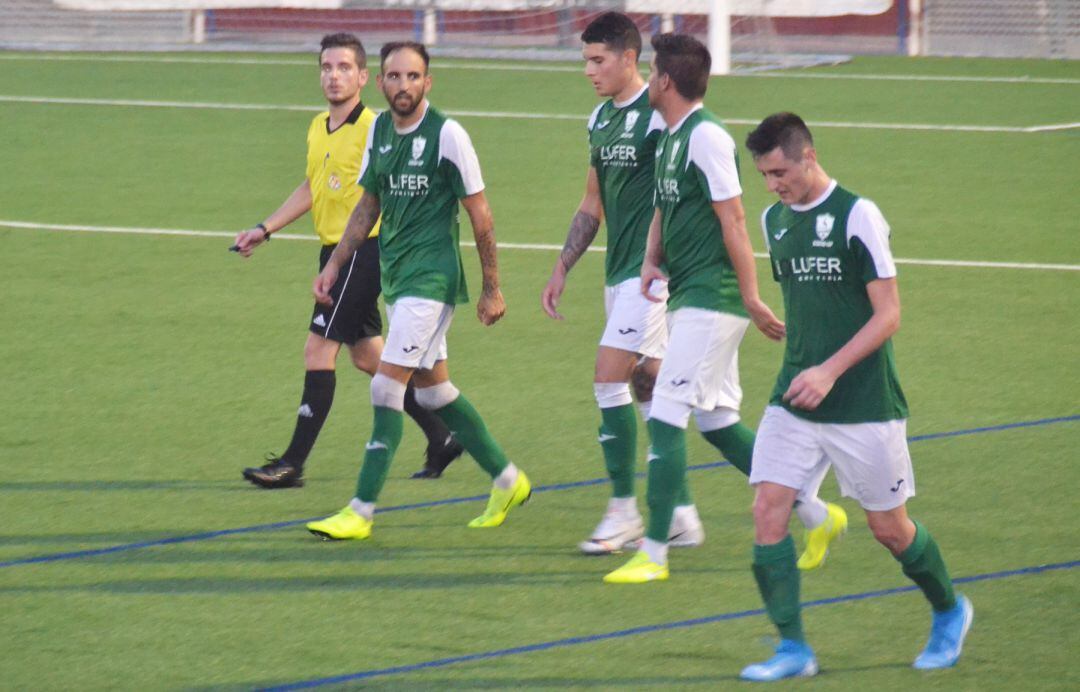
point(405, 111)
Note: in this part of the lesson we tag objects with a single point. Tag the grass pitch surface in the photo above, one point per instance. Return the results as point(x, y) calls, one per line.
point(143, 371)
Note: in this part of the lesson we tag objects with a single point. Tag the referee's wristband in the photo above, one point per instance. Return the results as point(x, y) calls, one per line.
point(266, 233)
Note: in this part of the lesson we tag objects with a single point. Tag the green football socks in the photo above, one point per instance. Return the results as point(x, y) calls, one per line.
point(667, 476)
point(922, 563)
point(735, 443)
point(379, 452)
point(468, 427)
point(778, 581)
point(618, 440)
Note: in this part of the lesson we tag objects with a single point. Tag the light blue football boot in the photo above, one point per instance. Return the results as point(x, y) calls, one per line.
point(947, 636)
point(792, 660)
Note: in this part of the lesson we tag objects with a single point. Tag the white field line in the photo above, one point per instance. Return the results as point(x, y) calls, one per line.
point(132, 103)
point(26, 225)
point(495, 67)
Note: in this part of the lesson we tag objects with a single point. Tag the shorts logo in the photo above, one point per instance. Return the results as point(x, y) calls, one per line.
point(410, 349)
point(898, 484)
point(305, 412)
point(319, 321)
point(628, 330)
point(418, 146)
point(333, 182)
point(679, 382)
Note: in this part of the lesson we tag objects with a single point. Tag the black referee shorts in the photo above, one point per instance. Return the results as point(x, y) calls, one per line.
point(354, 314)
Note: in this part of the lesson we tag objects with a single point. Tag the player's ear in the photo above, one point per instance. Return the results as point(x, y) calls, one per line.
point(378, 81)
point(363, 77)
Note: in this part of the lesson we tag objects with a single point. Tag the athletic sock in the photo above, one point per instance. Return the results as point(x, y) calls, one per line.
point(468, 427)
point(667, 471)
point(434, 429)
point(364, 509)
point(778, 581)
point(922, 563)
point(315, 405)
point(618, 440)
point(736, 443)
point(656, 550)
point(379, 452)
point(812, 512)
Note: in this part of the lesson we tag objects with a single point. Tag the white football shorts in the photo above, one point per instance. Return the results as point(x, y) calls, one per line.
point(701, 367)
point(871, 460)
point(635, 323)
point(417, 335)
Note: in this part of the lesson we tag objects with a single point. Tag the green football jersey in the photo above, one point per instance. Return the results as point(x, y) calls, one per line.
point(697, 164)
point(823, 254)
point(419, 176)
point(622, 145)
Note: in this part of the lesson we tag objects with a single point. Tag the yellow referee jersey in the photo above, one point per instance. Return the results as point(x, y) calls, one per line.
point(333, 165)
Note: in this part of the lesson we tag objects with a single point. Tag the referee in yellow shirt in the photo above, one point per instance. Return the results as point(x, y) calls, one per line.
point(335, 150)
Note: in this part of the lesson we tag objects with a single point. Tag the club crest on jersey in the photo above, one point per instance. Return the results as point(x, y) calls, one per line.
point(418, 146)
point(631, 120)
point(333, 182)
point(823, 228)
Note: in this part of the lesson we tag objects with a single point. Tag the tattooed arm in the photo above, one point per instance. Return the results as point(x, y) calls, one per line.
point(583, 228)
point(491, 306)
point(361, 221)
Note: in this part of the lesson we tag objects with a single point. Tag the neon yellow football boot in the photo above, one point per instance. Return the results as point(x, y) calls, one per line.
point(345, 525)
point(638, 570)
point(819, 539)
point(502, 501)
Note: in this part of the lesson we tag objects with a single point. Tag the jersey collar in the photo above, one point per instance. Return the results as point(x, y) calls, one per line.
point(354, 115)
point(824, 196)
point(632, 99)
point(679, 124)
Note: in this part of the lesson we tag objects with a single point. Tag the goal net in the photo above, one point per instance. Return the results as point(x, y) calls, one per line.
point(770, 32)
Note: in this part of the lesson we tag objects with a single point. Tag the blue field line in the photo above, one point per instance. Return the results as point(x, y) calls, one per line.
point(645, 629)
point(124, 547)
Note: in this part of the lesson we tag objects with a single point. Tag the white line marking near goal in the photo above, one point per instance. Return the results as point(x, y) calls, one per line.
point(27, 225)
point(449, 63)
point(132, 103)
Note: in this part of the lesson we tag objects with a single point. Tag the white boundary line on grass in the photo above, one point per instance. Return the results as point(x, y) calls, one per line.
point(78, 228)
point(451, 65)
point(133, 103)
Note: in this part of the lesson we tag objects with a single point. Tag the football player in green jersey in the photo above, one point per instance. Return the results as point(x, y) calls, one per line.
point(418, 165)
point(622, 135)
point(837, 399)
point(697, 242)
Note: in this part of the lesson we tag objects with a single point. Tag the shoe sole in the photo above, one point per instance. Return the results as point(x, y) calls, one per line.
point(272, 485)
point(603, 547)
point(327, 537)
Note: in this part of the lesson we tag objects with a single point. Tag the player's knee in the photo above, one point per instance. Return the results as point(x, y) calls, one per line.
point(888, 533)
point(387, 392)
point(643, 380)
point(320, 353)
point(770, 518)
point(435, 397)
point(612, 394)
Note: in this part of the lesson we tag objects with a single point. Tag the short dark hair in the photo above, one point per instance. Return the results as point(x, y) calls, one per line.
point(344, 41)
point(686, 60)
point(616, 31)
point(414, 46)
point(784, 130)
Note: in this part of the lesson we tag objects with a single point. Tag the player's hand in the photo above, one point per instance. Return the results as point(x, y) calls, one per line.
point(247, 241)
point(491, 306)
point(650, 273)
point(549, 297)
point(809, 388)
point(324, 282)
point(765, 320)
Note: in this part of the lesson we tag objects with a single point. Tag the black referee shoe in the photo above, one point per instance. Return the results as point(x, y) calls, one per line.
point(277, 473)
point(438, 458)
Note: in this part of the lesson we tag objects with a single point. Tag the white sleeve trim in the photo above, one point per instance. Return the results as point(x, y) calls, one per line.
point(367, 150)
point(592, 118)
point(713, 151)
point(456, 147)
point(866, 222)
point(656, 122)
